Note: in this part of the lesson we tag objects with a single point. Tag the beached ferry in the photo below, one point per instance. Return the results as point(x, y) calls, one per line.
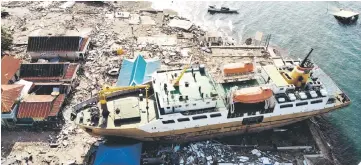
point(184, 105)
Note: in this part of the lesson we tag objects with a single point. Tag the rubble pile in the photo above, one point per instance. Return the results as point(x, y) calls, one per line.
point(210, 152)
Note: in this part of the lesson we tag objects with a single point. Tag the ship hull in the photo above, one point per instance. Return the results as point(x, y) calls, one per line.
point(210, 131)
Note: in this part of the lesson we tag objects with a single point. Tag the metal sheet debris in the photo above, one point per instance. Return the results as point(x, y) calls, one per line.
point(256, 152)
point(147, 20)
point(158, 40)
point(182, 24)
point(122, 14)
point(67, 4)
point(134, 19)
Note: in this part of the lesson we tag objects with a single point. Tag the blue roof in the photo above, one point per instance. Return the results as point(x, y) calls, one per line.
point(138, 71)
point(118, 155)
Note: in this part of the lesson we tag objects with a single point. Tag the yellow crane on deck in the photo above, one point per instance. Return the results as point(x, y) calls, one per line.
point(108, 90)
point(176, 81)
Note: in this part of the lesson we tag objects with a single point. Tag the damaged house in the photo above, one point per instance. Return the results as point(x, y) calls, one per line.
point(50, 47)
point(10, 96)
point(50, 75)
point(36, 109)
point(52, 82)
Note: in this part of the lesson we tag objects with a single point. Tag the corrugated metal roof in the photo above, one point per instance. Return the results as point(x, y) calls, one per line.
point(42, 70)
point(34, 109)
point(57, 105)
point(54, 43)
point(9, 66)
point(83, 43)
point(48, 72)
point(72, 68)
point(138, 71)
point(9, 93)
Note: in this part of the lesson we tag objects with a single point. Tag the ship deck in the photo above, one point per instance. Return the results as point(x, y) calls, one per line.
point(132, 113)
point(192, 91)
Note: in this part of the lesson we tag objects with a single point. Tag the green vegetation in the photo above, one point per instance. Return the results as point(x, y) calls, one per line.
point(6, 39)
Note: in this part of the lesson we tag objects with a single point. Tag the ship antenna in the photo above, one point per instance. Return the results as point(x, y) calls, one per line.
point(304, 60)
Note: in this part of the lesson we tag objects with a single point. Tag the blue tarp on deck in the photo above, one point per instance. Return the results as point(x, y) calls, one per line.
point(137, 72)
point(118, 155)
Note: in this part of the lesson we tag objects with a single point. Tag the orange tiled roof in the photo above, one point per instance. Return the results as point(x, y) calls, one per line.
point(9, 66)
point(9, 93)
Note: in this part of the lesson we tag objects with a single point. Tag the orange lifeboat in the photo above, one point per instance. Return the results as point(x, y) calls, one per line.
point(252, 95)
point(237, 68)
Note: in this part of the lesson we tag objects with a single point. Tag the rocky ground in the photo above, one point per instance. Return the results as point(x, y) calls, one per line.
point(70, 145)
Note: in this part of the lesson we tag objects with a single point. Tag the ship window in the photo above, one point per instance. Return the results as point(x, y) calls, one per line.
point(183, 119)
point(316, 101)
point(187, 105)
point(301, 103)
point(180, 106)
point(252, 120)
point(168, 107)
point(331, 100)
point(216, 115)
point(281, 88)
point(199, 117)
point(207, 102)
point(286, 105)
point(168, 121)
point(194, 104)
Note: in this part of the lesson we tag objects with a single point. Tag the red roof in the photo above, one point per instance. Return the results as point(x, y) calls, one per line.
point(9, 66)
point(82, 46)
point(9, 93)
point(70, 71)
point(34, 109)
point(57, 105)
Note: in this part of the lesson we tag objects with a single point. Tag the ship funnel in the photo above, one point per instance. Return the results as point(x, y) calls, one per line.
point(301, 73)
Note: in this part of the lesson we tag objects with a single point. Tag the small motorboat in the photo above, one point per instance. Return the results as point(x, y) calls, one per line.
point(213, 10)
point(346, 17)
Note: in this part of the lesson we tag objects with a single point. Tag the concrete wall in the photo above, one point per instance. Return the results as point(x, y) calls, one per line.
point(50, 55)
